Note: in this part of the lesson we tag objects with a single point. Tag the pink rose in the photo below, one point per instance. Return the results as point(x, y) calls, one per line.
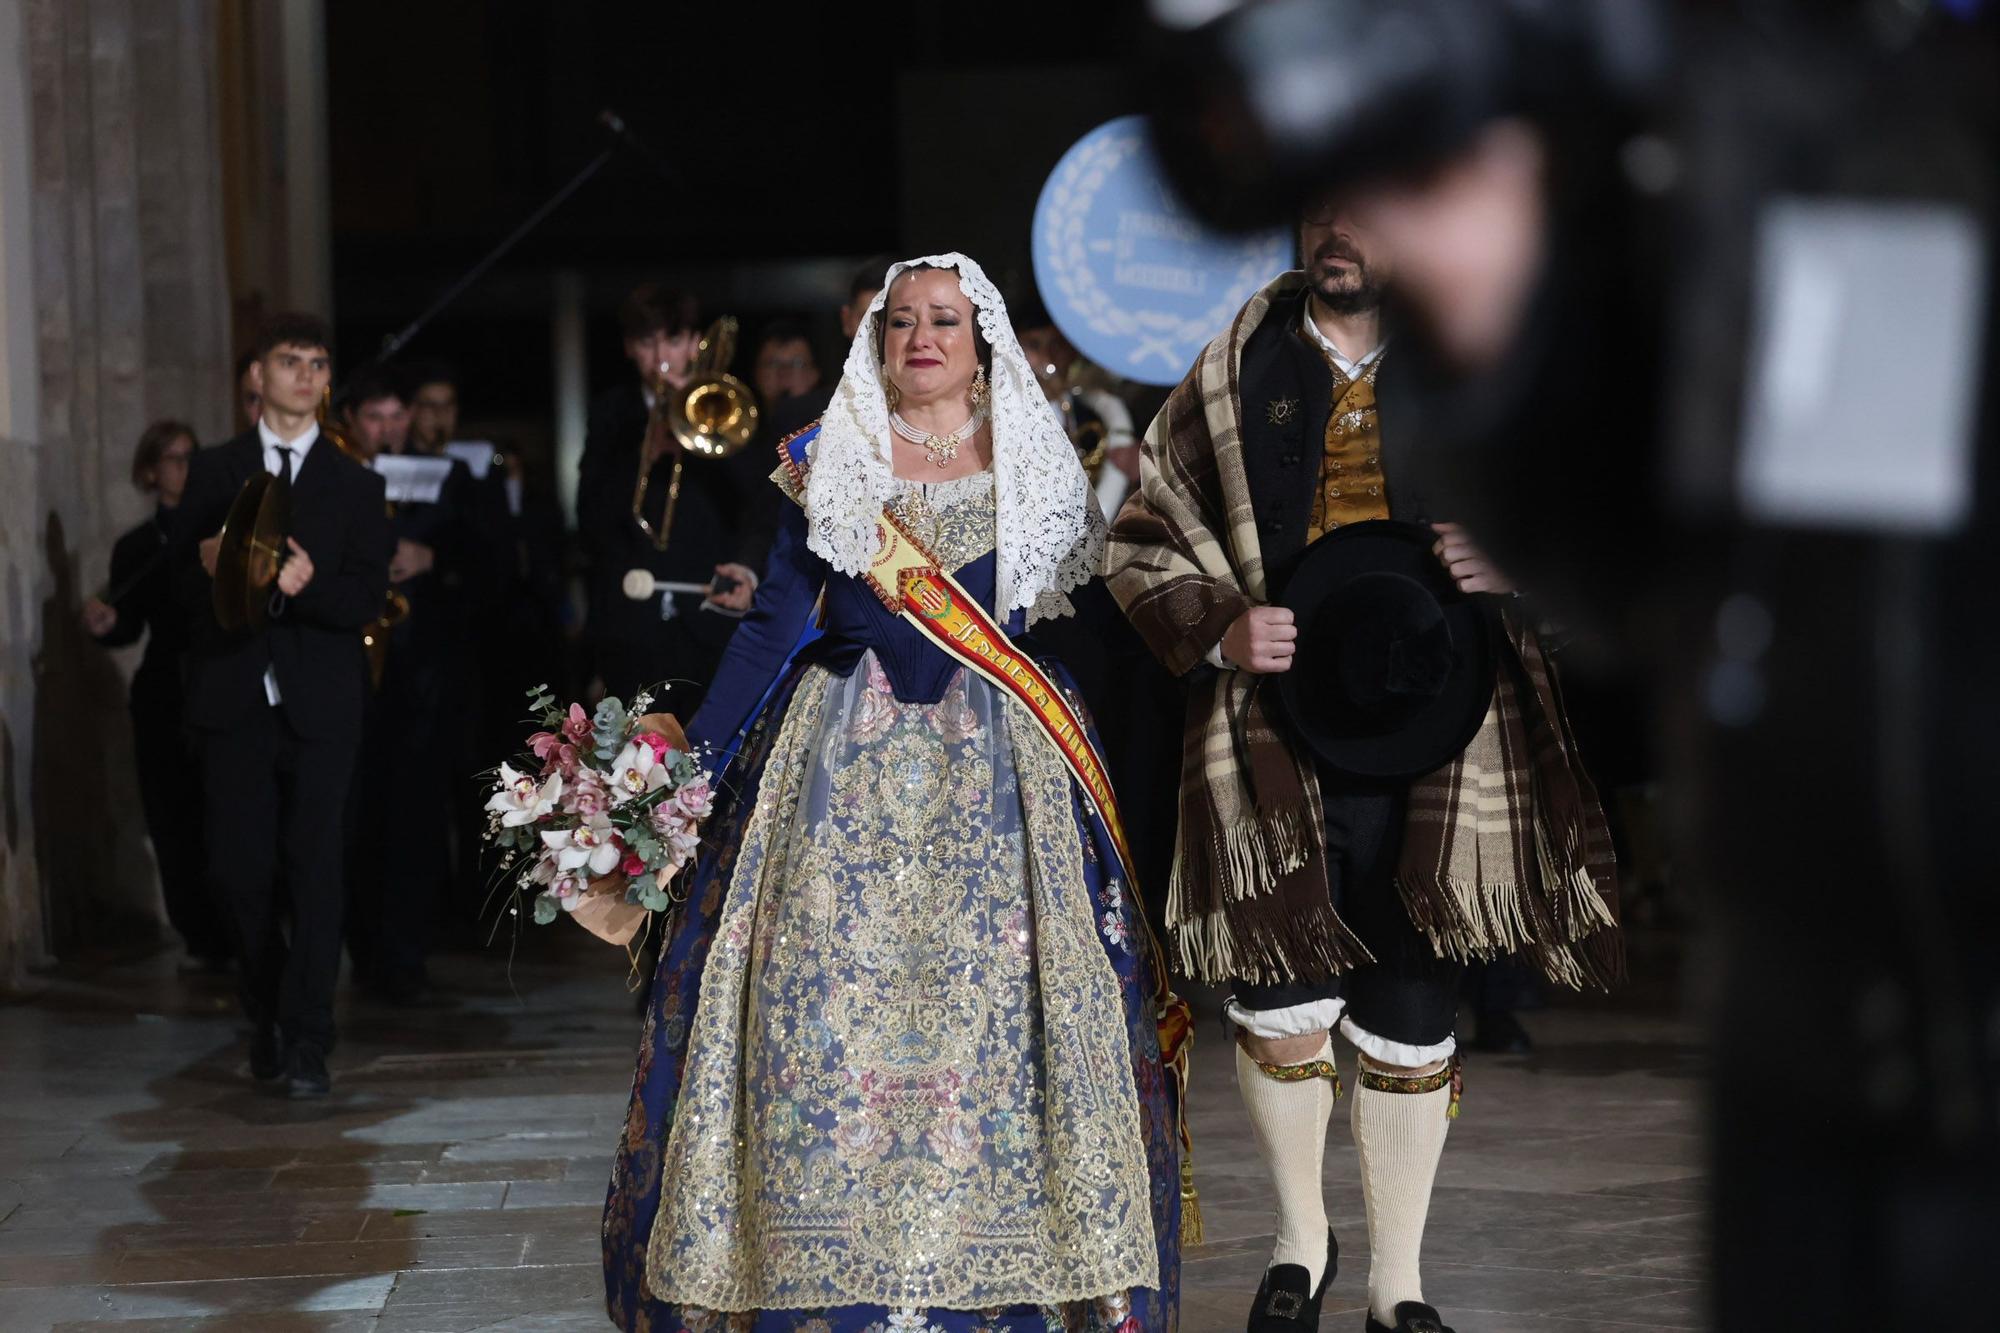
point(655, 742)
point(632, 866)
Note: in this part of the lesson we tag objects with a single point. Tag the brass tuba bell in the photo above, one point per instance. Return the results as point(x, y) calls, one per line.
point(712, 417)
point(716, 414)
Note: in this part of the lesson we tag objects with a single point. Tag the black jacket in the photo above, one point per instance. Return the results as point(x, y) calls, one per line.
point(1283, 461)
point(443, 598)
point(713, 523)
point(145, 603)
point(313, 640)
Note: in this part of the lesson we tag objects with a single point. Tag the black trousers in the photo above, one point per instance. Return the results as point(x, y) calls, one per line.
point(275, 802)
point(170, 794)
point(399, 829)
point(1408, 994)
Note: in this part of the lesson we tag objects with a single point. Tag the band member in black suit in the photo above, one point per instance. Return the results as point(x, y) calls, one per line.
point(140, 602)
point(783, 365)
point(249, 390)
point(276, 711)
point(677, 639)
point(507, 644)
point(399, 851)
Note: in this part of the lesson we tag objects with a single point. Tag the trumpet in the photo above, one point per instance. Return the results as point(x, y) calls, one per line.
point(713, 416)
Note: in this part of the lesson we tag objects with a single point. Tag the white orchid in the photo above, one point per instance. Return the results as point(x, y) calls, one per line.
point(636, 771)
point(520, 800)
point(590, 845)
point(569, 890)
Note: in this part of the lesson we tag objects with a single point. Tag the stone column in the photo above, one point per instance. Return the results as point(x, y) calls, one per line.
point(115, 204)
point(21, 934)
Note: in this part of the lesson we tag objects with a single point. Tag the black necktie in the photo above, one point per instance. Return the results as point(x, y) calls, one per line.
point(289, 455)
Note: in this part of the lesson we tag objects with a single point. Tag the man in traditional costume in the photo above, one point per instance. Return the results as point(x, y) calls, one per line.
point(1325, 897)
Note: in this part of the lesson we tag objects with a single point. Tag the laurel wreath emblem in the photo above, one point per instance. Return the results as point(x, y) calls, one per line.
point(1065, 266)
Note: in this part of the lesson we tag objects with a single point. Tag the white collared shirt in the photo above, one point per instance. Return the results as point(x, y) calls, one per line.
point(1351, 369)
point(274, 463)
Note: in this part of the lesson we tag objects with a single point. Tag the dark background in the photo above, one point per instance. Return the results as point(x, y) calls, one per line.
point(830, 135)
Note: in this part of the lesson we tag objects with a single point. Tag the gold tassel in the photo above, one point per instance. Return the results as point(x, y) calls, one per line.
point(1191, 1231)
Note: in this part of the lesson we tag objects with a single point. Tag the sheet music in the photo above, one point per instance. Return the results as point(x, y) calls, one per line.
point(477, 455)
point(413, 478)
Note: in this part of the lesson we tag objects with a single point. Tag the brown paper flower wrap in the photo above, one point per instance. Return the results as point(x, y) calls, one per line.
point(605, 912)
point(599, 816)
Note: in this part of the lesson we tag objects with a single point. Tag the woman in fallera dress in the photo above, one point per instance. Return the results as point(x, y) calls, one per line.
point(900, 1070)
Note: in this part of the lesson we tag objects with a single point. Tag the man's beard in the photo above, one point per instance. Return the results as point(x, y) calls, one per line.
point(1352, 293)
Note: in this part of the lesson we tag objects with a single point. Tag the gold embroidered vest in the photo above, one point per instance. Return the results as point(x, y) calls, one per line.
point(1351, 488)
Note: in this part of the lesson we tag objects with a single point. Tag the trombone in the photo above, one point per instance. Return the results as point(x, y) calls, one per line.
point(712, 417)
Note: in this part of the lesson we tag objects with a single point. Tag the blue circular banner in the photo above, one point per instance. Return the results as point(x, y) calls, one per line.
point(1127, 273)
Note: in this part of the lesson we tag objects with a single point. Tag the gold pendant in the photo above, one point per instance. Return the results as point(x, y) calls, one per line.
point(941, 449)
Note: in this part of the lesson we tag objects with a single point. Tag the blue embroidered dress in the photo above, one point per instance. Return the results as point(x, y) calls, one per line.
point(900, 1071)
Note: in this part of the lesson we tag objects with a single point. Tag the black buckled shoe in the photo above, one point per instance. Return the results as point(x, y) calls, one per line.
point(1411, 1317)
point(267, 1053)
point(1283, 1303)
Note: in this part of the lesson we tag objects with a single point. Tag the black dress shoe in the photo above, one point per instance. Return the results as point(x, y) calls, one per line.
point(267, 1053)
point(307, 1076)
point(1411, 1317)
point(1284, 1304)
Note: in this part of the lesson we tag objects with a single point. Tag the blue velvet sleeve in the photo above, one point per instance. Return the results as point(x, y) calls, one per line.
point(764, 640)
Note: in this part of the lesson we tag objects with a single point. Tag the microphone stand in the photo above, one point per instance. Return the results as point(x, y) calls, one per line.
point(621, 135)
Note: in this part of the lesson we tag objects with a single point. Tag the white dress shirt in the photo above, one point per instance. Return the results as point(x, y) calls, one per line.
point(274, 463)
point(1351, 369)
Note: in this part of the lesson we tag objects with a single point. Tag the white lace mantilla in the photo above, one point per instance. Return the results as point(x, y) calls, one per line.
point(1050, 535)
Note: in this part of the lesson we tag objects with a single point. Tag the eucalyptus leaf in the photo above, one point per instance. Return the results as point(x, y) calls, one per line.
point(546, 909)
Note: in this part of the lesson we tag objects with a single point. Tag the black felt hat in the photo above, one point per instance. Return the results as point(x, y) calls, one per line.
point(1394, 666)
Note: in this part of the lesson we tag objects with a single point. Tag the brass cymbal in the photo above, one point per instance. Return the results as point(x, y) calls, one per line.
point(253, 546)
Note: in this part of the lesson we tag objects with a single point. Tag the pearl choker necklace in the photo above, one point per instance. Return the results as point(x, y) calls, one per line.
point(940, 449)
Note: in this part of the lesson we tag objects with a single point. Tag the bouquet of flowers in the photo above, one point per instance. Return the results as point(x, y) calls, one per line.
point(599, 816)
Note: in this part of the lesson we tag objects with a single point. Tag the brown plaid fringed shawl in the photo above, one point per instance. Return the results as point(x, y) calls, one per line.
point(1505, 848)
